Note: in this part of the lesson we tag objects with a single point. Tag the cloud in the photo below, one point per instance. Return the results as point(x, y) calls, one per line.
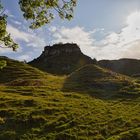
point(17, 22)
point(31, 38)
point(18, 35)
point(96, 43)
point(126, 43)
point(24, 57)
point(52, 29)
point(74, 35)
point(31, 43)
point(114, 45)
point(5, 51)
point(8, 12)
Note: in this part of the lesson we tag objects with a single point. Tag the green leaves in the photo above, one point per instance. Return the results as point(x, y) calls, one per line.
point(41, 12)
point(2, 64)
point(5, 39)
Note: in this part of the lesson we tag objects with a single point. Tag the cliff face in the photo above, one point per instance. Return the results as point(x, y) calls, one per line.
point(61, 59)
point(59, 49)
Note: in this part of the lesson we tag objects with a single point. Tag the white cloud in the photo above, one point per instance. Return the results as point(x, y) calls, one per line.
point(126, 43)
point(52, 29)
point(18, 35)
point(74, 35)
point(5, 50)
point(32, 39)
point(8, 12)
point(113, 45)
point(17, 22)
point(24, 57)
point(31, 43)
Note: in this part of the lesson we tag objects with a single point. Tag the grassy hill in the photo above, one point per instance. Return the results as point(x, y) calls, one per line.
point(62, 108)
point(100, 82)
point(20, 74)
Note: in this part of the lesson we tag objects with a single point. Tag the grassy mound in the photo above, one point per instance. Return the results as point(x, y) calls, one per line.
point(20, 74)
point(94, 79)
point(16, 69)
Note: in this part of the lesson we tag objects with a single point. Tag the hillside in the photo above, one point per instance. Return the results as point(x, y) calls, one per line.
point(129, 67)
point(99, 82)
point(91, 103)
point(40, 113)
point(20, 74)
point(61, 59)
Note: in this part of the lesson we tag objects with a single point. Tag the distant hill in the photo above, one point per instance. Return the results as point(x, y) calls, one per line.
point(61, 59)
point(129, 67)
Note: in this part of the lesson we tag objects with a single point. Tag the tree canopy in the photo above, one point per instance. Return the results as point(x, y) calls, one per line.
point(5, 38)
point(39, 13)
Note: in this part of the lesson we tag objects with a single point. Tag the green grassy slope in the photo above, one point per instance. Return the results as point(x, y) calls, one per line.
point(21, 74)
point(61, 108)
point(31, 113)
point(101, 82)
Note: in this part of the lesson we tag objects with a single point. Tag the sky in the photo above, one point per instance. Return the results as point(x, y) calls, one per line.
point(103, 29)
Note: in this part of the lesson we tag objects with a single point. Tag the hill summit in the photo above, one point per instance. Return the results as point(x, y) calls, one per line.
point(61, 59)
point(92, 78)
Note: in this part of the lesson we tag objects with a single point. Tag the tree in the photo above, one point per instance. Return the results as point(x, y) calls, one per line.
point(42, 12)
point(39, 13)
point(5, 39)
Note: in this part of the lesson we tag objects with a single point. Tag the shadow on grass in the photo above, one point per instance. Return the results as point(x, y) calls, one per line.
point(102, 89)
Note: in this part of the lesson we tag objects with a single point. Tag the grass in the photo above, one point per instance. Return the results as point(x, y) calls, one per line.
point(20, 74)
point(101, 83)
point(67, 108)
point(40, 113)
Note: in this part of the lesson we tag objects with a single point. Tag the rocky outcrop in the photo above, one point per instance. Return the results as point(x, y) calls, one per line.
point(61, 59)
point(59, 49)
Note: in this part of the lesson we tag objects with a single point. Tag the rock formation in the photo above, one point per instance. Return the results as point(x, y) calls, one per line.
point(61, 59)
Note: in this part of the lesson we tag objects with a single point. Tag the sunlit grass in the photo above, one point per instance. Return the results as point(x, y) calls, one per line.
point(38, 106)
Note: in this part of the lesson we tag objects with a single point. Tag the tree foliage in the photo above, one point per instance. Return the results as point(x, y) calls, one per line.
point(42, 12)
point(5, 38)
point(39, 12)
